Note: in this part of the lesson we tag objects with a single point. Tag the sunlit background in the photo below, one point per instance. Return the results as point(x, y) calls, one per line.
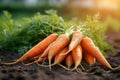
point(109, 10)
point(25, 15)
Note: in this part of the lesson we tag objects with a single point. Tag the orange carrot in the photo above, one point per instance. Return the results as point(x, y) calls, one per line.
point(89, 59)
point(42, 56)
point(36, 50)
point(77, 57)
point(59, 58)
point(68, 61)
point(89, 46)
point(61, 42)
point(76, 39)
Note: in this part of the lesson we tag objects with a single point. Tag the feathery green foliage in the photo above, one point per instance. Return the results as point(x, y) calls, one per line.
point(32, 30)
point(95, 29)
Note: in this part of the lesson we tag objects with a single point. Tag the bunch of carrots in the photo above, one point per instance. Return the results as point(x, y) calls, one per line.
point(57, 49)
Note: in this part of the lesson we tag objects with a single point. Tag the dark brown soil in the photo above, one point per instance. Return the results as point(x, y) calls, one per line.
point(35, 72)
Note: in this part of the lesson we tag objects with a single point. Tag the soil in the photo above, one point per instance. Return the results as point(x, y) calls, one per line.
point(35, 72)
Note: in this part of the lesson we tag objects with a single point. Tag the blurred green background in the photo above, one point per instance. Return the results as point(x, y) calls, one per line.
point(19, 17)
point(109, 10)
point(66, 8)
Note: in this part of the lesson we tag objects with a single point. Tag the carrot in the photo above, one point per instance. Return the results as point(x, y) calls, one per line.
point(59, 58)
point(89, 46)
point(42, 56)
point(61, 42)
point(36, 50)
point(89, 59)
point(68, 61)
point(77, 57)
point(76, 39)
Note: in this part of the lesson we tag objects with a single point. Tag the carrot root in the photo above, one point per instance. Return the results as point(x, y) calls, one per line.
point(82, 67)
point(46, 65)
point(116, 68)
point(10, 63)
point(50, 64)
point(42, 65)
point(64, 67)
point(31, 63)
point(66, 52)
point(77, 67)
point(78, 70)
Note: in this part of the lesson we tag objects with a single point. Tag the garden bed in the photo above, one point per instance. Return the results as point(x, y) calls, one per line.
point(35, 72)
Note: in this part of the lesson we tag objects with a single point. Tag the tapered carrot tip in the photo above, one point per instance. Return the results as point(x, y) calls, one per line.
point(50, 64)
point(78, 70)
point(45, 65)
point(42, 65)
point(66, 52)
point(116, 68)
point(9, 63)
point(30, 63)
point(65, 67)
point(82, 67)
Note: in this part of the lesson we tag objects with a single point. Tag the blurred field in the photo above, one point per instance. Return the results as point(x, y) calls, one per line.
point(77, 9)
